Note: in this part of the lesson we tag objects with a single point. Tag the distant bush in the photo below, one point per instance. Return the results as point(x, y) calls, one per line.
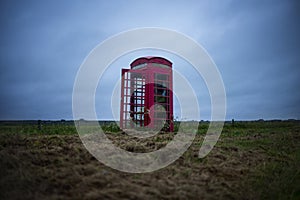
point(111, 127)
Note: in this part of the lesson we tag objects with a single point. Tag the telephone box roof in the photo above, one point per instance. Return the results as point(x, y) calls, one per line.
point(151, 59)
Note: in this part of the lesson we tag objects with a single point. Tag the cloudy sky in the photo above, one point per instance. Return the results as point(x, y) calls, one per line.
point(255, 45)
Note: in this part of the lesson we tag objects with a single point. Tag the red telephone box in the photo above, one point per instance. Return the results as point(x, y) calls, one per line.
point(147, 94)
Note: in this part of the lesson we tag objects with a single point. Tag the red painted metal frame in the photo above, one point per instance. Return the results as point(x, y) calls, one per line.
point(138, 101)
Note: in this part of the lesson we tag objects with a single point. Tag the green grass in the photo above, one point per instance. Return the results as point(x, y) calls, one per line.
point(278, 176)
point(54, 127)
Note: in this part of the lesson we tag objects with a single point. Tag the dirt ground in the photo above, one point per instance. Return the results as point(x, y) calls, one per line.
point(59, 167)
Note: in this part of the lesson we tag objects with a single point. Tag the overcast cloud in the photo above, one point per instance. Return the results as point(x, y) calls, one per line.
point(255, 45)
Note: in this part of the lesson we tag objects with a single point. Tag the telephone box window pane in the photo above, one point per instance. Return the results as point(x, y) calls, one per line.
point(161, 76)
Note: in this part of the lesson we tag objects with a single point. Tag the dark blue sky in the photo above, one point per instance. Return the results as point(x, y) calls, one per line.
point(255, 45)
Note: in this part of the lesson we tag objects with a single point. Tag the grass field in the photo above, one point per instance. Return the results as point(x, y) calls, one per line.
point(252, 160)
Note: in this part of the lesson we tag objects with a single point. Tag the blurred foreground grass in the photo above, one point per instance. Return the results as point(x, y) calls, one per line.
point(275, 146)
